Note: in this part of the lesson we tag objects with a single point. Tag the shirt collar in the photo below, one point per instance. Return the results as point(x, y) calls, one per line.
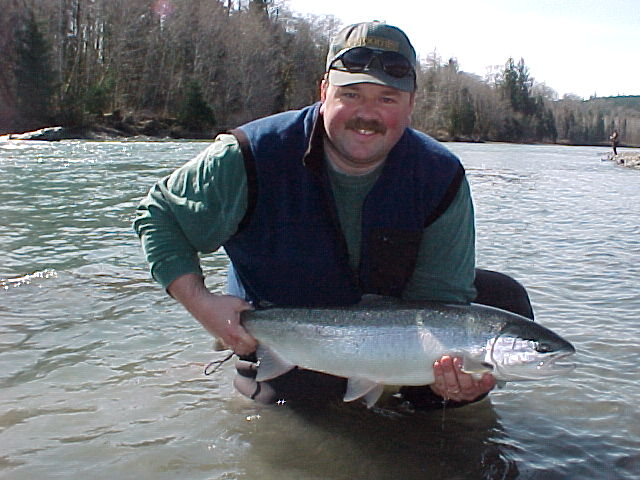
point(313, 158)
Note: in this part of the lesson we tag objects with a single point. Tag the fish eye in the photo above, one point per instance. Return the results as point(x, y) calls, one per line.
point(542, 347)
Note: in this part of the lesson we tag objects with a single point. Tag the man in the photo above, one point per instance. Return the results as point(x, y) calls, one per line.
point(323, 205)
point(614, 142)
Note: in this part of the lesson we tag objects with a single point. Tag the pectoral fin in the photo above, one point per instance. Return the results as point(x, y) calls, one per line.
point(362, 387)
point(372, 397)
point(270, 364)
point(476, 368)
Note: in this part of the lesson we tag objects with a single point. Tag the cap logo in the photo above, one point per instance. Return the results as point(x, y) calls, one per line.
point(375, 42)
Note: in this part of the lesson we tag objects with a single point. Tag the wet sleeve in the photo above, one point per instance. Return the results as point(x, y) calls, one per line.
point(445, 269)
point(194, 210)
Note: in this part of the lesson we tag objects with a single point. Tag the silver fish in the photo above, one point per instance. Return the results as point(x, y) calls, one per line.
point(385, 342)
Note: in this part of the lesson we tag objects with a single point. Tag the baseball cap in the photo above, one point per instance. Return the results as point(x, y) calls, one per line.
point(380, 38)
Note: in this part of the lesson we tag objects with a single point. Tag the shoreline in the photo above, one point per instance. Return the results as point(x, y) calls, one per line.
point(115, 126)
point(150, 129)
point(626, 159)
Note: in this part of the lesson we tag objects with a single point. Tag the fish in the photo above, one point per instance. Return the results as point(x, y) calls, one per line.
point(392, 342)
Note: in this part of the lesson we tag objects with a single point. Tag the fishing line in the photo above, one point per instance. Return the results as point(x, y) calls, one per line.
point(214, 366)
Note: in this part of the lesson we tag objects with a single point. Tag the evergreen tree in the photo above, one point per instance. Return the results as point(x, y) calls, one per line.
point(550, 126)
point(195, 114)
point(97, 98)
point(599, 132)
point(516, 87)
point(33, 75)
point(461, 113)
point(467, 112)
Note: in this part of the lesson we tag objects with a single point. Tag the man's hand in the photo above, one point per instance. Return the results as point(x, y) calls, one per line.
point(218, 314)
point(451, 383)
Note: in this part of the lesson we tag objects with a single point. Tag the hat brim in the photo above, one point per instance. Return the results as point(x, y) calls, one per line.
point(342, 79)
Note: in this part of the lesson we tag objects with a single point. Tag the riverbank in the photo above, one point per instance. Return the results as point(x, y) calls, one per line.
point(114, 126)
point(147, 127)
point(627, 159)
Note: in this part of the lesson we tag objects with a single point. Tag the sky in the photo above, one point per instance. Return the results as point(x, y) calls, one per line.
point(580, 47)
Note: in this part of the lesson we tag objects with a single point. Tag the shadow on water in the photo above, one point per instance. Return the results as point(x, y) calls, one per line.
point(347, 441)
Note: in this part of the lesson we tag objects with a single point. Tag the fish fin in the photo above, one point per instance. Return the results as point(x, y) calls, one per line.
point(372, 397)
point(363, 387)
point(476, 368)
point(270, 365)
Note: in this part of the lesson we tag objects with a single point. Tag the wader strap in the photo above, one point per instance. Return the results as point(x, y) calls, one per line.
point(451, 193)
point(252, 175)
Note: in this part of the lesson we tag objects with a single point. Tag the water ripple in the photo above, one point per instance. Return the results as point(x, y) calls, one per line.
point(101, 371)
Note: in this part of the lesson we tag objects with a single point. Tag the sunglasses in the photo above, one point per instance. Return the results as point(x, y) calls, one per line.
point(360, 59)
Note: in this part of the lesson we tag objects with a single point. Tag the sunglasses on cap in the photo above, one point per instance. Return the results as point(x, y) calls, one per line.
point(361, 59)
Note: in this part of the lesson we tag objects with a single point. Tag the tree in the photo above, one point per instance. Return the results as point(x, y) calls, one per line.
point(516, 86)
point(250, 59)
point(467, 112)
point(8, 111)
point(97, 97)
point(195, 114)
point(33, 75)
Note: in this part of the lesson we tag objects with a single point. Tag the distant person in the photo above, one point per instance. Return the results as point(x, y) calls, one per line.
point(321, 205)
point(614, 141)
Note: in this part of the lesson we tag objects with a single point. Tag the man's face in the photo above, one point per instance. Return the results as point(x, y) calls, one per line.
point(363, 122)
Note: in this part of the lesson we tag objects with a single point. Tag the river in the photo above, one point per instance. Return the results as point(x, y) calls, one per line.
point(101, 373)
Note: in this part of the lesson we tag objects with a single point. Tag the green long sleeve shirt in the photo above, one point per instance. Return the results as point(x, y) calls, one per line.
point(198, 208)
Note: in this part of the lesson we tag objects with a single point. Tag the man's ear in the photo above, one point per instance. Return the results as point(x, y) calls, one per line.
point(412, 101)
point(324, 84)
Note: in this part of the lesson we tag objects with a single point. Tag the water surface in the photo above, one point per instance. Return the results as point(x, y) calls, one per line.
point(101, 372)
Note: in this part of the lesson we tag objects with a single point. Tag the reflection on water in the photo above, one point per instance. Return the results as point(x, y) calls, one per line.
point(101, 372)
point(346, 442)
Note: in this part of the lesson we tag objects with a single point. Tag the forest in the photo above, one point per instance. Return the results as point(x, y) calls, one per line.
point(198, 67)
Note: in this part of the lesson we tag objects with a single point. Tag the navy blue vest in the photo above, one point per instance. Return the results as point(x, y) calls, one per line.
point(289, 249)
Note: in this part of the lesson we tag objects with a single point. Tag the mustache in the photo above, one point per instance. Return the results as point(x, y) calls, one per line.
point(363, 124)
